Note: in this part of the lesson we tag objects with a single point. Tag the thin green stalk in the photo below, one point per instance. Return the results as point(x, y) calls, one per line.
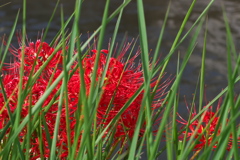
point(173, 91)
point(117, 85)
point(105, 72)
point(157, 50)
point(202, 74)
point(21, 72)
point(99, 46)
point(93, 86)
point(160, 37)
point(20, 85)
point(233, 110)
point(75, 29)
point(29, 129)
point(145, 106)
point(193, 141)
point(172, 142)
point(48, 91)
point(112, 43)
point(81, 103)
point(31, 81)
point(224, 133)
point(63, 93)
point(57, 122)
point(65, 86)
point(9, 41)
point(85, 104)
point(231, 103)
point(4, 4)
point(178, 42)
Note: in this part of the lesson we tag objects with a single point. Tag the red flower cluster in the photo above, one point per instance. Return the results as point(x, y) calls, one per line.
point(122, 80)
point(203, 129)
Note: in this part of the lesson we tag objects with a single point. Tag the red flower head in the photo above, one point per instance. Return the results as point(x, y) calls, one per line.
point(39, 52)
point(203, 128)
point(121, 82)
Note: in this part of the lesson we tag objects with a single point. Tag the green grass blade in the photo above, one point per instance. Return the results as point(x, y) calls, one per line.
point(160, 37)
point(173, 91)
point(65, 85)
point(146, 73)
point(9, 41)
point(202, 73)
point(99, 47)
point(21, 72)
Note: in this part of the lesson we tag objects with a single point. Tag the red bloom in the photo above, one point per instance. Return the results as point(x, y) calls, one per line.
point(203, 129)
point(39, 52)
point(121, 82)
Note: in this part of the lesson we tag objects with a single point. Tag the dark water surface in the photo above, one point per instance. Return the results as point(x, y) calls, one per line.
point(39, 12)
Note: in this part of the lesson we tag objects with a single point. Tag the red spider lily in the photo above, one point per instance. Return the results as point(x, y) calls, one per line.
point(203, 129)
point(37, 52)
point(121, 82)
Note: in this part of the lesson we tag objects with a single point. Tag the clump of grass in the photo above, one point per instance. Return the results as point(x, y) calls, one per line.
point(72, 100)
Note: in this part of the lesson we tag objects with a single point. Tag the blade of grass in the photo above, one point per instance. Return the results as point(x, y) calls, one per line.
point(173, 91)
point(111, 16)
point(233, 111)
point(224, 132)
point(48, 91)
point(105, 72)
point(178, 42)
point(202, 74)
point(9, 40)
point(171, 134)
point(231, 50)
point(99, 47)
point(157, 50)
point(60, 105)
point(230, 106)
point(146, 98)
point(93, 89)
point(21, 73)
point(4, 4)
point(112, 45)
point(65, 84)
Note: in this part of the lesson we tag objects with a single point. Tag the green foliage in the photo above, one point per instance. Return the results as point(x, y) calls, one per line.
point(90, 136)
